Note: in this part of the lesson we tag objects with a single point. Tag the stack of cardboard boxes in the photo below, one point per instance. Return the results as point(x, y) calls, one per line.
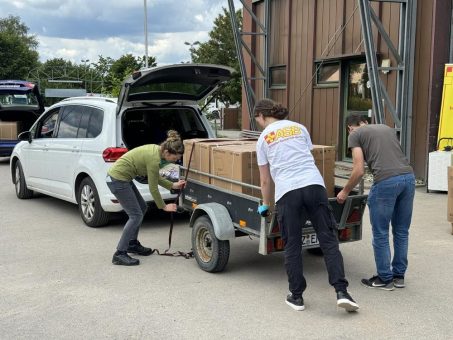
point(9, 130)
point(235, 159)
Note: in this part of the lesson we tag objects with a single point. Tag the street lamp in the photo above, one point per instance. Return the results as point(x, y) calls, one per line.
point(146, 34)
point(85, 68)
point(191, 48)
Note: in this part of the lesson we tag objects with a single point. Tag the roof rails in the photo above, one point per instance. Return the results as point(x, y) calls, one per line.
point(109, 100)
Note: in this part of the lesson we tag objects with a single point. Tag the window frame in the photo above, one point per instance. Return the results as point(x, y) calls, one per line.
point(325, 84)
point(278, 85)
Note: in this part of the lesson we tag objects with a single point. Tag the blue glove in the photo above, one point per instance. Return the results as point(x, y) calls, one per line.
point(263, 210)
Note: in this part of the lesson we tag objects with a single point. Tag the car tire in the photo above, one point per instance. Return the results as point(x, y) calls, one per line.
point(89, 204)
point(211, 253)
point(22, 191)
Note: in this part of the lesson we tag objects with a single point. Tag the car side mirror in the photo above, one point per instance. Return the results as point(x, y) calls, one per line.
point(26, 136)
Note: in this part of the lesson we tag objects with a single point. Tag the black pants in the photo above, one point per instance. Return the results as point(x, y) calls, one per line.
point(293, 210)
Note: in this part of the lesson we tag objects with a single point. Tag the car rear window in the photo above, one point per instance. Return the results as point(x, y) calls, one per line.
point(10, 98)
point(182, 88)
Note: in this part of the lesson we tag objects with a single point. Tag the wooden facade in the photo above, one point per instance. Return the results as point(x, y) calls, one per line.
point(305, 33)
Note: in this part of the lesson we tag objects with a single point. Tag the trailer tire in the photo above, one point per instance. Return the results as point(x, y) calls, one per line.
point(211, 253)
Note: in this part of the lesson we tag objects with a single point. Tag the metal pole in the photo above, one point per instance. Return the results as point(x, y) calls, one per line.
point(245, 82)
point(371, 60)
point(146, 34)
point(267, 21)
point(410, 57)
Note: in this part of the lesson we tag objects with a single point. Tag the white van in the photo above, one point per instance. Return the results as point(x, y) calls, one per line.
point(67, 152)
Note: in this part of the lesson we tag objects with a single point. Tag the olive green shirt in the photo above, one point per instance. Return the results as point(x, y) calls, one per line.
point(142, 161)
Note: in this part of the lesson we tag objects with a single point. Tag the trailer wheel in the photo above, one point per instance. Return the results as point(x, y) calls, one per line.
point(211, 253)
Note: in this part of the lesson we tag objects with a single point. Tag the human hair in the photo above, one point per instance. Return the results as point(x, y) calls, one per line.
point(355, 120)
point(269, 108)
point(173, 144)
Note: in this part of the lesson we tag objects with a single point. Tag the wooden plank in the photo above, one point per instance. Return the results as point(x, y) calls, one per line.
point(310, 69)
point(288, 54)
point(349, 6)
point(339, 20)
point(314, 128)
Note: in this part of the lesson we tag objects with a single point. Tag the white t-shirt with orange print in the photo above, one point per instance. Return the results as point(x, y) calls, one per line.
point(286, 146)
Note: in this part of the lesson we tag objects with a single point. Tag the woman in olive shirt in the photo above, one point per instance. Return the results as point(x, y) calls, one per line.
point(141, 161)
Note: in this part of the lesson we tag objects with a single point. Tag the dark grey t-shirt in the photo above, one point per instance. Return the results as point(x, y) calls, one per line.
point(381, 150)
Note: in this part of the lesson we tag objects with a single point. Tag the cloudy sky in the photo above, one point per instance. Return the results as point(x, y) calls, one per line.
point(84, 29)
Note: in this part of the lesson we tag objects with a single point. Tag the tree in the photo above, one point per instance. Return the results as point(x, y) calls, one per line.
point(18, 53)
point(123, 67)
point(221, 49)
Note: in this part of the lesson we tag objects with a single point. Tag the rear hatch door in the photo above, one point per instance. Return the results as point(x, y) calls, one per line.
point(19, 99)
point(187, 83)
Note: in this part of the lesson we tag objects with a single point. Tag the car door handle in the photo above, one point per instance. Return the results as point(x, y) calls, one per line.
point(45, 147)
point(75, 149)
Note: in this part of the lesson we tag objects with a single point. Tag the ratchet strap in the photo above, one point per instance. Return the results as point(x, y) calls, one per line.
point(167, 252)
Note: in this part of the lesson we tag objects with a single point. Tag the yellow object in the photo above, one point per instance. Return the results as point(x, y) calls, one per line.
point(242, 223)
point(446, 112)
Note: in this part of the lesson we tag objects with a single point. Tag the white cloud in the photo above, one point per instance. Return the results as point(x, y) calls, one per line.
point(167, 48)
point(85, 29)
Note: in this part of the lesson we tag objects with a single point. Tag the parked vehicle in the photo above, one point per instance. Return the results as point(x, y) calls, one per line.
point(20, 106)
point(67, 152)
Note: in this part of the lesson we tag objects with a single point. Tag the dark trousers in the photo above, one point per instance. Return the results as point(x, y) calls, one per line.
point(135, 207)
point(293, 210)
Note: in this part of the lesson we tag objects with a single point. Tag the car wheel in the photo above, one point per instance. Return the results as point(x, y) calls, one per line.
point(22, 191)
point(211, 253)
point(89, 204)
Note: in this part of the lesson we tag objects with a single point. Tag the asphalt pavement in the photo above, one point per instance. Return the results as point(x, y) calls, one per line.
point(58, 282)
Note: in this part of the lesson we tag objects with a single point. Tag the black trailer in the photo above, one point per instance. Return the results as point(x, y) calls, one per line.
point(219, 216)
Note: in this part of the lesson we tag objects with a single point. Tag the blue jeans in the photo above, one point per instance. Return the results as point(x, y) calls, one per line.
point(391, 200)
point(135, 207)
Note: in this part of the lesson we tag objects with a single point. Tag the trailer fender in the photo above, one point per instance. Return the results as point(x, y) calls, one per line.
point(220, 218)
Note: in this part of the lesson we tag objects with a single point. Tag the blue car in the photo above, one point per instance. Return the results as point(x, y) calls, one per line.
point(20, 105)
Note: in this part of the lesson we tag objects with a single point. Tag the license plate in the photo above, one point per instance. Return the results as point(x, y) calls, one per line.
point(310, 239)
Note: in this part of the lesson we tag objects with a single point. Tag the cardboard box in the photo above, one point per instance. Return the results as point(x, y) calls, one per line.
point(206, 155)
point(236, 162)
point(190, 144)
point(325, 162)
point(9, 130)
point(202, 154)
point(450, 196)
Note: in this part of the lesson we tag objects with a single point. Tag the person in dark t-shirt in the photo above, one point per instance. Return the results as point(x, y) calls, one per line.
point(390, 199)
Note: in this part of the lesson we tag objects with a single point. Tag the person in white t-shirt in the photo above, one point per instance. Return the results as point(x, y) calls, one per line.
point(284, 156)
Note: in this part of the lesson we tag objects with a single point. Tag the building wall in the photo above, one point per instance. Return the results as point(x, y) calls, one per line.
point(303, 32)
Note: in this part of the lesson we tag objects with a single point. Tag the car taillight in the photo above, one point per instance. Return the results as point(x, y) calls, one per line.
point(355, 216)
point(112, 154)
point(345, 234)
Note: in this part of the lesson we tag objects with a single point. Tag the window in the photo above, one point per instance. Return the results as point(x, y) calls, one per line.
point(328, 74)
point(359, 93)
point(48, 125)
point(69, 121)
point(90, 123)
point(277, 76)
point(95, 123)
